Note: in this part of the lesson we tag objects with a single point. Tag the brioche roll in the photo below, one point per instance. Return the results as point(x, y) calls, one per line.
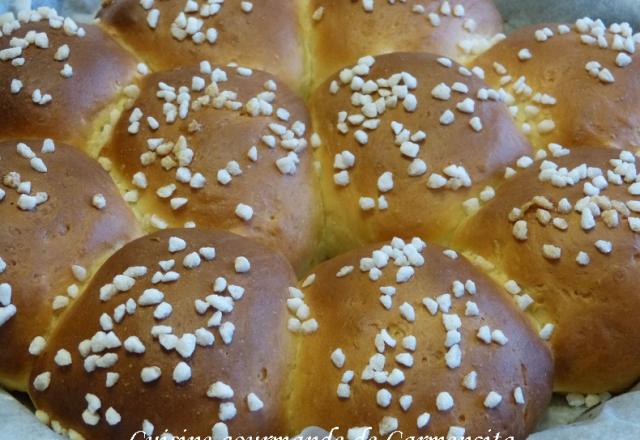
point(229, 151)
point(182, 331)
point(572, 85)
point(563, 237)
point(407, 139)
point(59, 79)
point(61, 216)
point(415, 339)
point(340, 32)
point(264, 35)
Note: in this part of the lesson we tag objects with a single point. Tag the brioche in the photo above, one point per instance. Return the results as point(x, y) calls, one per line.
point(562, 237)
point(53, 84)
point(262, 34)
point(220, 147)
point(407, 140)
point(58, 223)
point(340, 32)
point(570, 85)
point(155, 291)
point(412, 338)
point(183, 331)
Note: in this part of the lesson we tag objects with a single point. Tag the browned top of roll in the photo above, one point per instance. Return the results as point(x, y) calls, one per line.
point(261, 34)
point(220, 158)
point(49, 223)
point(55, 80)
point(574, 85)
point(350, 309)
point(450, 141)
point(578, 268)
point(182, 266)
point(343, 31)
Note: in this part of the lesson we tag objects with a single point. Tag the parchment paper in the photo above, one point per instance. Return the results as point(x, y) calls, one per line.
point(617, 419)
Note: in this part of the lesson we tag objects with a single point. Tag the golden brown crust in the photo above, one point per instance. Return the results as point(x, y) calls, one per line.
point(346, 32)
point(350, 316)
point(594, 342)
point(256, 361)
point(40, 246)
point(602, 114)
point(266, 38)
point(412, 207)
point(77, 100)
point(286, 207)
